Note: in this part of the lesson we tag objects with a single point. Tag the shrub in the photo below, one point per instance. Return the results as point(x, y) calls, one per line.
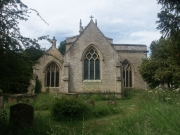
point(128, 94)
point(3, 122)
point(38, 86)
point(69, 108)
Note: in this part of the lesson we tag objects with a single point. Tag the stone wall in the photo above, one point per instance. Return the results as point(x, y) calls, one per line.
point(52, 55)
point(134, 59)
point(130, 47)
point(92, 36)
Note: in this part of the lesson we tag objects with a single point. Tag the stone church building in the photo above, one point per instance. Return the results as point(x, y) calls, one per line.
point(92, 63)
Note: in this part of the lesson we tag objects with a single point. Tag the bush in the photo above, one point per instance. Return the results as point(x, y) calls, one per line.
point(128, 94)
point(38, 86)
point(3, 122)
point(69, 109)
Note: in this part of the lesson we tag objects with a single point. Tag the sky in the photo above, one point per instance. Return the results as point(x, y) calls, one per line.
point(125, 21)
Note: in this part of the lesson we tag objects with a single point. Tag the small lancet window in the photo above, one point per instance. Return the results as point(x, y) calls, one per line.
point(127, 74)
point(52, 75)
point(91, 65)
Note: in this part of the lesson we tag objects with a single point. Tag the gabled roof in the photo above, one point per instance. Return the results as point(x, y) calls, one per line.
point(91, 21)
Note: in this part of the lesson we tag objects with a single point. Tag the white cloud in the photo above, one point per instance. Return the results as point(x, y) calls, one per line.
point(145, 36)
point(126, 21)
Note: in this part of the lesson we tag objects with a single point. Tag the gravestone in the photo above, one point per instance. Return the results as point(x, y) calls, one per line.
point(21, 116)
point(1, 103)
point(12, 99)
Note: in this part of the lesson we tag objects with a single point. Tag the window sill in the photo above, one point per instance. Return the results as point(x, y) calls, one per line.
point(89, 81)
point(52, 87)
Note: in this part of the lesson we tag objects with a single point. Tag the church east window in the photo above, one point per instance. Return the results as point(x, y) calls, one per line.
point(127, 74)
point(91, 65)
point(52, 75)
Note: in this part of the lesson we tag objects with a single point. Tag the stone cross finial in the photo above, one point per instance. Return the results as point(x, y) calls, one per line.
point(91, 17)
point(54, 41)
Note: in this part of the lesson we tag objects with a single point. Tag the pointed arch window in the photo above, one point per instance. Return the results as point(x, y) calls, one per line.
point(52, 75)
point(127, 74)
point(91, 65)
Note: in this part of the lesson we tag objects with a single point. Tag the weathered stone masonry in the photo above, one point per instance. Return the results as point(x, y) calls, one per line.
point(92, 63)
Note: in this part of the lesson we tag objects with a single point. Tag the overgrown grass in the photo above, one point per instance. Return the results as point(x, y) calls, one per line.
point(151, 112)
point(158, 113)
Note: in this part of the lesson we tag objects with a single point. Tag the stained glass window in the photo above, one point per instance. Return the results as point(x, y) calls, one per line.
point(52, 75)
point(91, 65)
point(127, 74)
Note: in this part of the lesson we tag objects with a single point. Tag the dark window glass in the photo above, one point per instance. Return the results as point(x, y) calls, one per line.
point(94, 56)
point(130, 78)
point(86, 69)
point(91, 51)
point(89, 56)
point(97, 69)
point(57, 79)
point(48, 79)
point(52, 79)
point(91, 69)
point(127, 77)
point(124, 76)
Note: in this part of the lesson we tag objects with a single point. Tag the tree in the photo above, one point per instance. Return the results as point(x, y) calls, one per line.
point(15, 65)
point(62, 47)
point(160, 67)
point(169, 17)
point(33, 53)
point(169, 25)
point(163, 65)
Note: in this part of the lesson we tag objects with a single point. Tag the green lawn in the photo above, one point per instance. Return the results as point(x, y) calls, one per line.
point(139, 113)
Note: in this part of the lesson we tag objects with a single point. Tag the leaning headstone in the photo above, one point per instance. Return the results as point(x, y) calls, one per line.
point(21, 116)
point(1, 103)
point(12, 99)
point(90, 102)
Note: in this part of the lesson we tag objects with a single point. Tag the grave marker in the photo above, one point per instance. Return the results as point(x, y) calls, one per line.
point(21, 116)
point(1, 103)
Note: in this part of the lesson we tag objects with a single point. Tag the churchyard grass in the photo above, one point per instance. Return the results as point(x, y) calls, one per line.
point(150, 112)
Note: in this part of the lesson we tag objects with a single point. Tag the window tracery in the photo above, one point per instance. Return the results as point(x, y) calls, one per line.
point(91, 65)
point(52, 75)
point(127, 74)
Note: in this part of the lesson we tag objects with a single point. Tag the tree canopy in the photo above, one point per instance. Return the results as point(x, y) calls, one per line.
point(160, 67)
point(169, 17)
point(169, 25)
point(163, 65)
point(62, 47)
point(16, 64)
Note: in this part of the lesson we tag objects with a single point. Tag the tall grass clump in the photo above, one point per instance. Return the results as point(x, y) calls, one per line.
point(98, 96)
point(43, 101)
point(102, 111)
point(69, 109)
point(158, 113)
